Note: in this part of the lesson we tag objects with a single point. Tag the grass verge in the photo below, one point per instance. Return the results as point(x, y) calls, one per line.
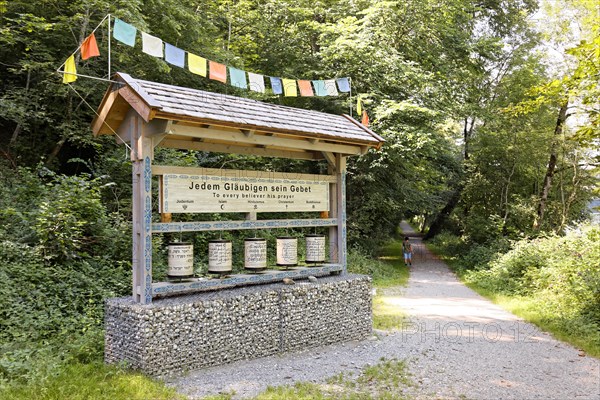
point(386, 380)
point(92, 381)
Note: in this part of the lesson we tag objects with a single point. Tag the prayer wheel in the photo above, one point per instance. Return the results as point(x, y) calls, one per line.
point(287, 251)
point(255, 254)
point(315, 249)
point(180, 260)
point(219, 256)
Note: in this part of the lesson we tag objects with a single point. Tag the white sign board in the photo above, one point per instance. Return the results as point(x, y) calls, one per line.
point(182, 193)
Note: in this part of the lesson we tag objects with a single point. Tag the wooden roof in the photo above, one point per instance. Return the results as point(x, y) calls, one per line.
point(205, 114)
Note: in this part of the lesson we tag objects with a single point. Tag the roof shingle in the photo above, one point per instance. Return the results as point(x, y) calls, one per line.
point(186, 103)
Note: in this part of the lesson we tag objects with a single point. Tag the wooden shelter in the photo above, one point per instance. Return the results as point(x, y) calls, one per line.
point(149, 114)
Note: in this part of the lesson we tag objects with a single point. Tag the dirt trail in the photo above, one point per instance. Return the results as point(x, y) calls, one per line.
point(458, 345)
point(470, 347)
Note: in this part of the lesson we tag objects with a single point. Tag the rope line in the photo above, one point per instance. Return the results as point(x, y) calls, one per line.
point(103, 120)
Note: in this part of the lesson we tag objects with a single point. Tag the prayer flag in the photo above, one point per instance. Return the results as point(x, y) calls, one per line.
point(358, 106)
point(289, 87)
point(197, 64)
point(320, 89)
point(218, 72)
point(305, 88)
point(237, 78)
point(89, 47)
point(174, 55)
point(257, 82)
point(365, 119)
point(343, 85)
point(124, 32)
point(276, 85)
point(331, 89)
point(152, 45)
point(70, 71)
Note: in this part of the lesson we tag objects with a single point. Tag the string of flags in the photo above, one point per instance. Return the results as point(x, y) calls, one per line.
point(154, 46)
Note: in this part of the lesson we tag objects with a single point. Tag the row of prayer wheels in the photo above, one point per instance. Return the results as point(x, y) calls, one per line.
point(181, 255)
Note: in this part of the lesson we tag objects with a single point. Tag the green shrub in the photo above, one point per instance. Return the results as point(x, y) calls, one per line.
point(560, 278)
point(385, 271)
point(60, 259)
point(448, 244)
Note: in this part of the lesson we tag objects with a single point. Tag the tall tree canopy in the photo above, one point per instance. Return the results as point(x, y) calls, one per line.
point(438, 90)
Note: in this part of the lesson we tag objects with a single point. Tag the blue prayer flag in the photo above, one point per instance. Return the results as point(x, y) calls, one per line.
point(343, 84)
point(276, 85)
point(320, 89)
point(124, 32)
point(174, 55)
point(237, 78)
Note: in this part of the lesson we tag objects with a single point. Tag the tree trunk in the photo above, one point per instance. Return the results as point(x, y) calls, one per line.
point(18, 129)
point(541, 208)
point(438, 223)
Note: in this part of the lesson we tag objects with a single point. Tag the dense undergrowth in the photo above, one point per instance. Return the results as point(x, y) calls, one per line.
point(60, 252)
point(552, 281)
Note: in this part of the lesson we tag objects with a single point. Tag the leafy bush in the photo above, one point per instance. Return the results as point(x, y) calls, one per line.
point(559, 275)
point(448, 244)
point(61, 254)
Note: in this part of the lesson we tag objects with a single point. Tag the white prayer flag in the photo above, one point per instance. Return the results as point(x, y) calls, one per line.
point(257, 82)
point(331, 88)
point(152, 45)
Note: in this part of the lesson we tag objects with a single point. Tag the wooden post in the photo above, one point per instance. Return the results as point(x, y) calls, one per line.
point(333, 212)
point(341, 210)
point(141, 156)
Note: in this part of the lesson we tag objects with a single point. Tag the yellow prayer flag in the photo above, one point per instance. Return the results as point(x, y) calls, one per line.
point(358, 106)
point(197, 64)
point(289, 87)
point(70, 72)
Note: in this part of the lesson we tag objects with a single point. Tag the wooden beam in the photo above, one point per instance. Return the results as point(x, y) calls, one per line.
point(330, 157)
point(136, 102)
point(124, 131)
point(208, 226)
point(269, 276)
point(235, 136)
point(157, 127)
point(341, 210)
point(234, 173)
point(141, 150)
point(105, 109)
point(198, 144)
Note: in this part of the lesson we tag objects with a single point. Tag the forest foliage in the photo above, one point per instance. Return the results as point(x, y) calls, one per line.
point(461, 90)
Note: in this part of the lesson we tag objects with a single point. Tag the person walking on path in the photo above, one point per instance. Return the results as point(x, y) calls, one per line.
point(407, 250)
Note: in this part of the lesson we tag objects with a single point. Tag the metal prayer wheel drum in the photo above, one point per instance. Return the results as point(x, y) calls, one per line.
point(180, 260)
point(315, 249)
point(219, 256)
point(287, 251)
point(255, 254)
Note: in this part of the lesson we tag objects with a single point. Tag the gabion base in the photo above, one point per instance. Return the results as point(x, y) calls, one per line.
point(194, 331)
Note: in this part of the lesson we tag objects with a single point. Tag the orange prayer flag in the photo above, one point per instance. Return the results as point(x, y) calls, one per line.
point(305, 88)
point(89, 47)
point(218, 72)
point(365, 119)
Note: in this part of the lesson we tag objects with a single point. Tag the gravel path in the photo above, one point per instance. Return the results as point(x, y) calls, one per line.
point(458, 345)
